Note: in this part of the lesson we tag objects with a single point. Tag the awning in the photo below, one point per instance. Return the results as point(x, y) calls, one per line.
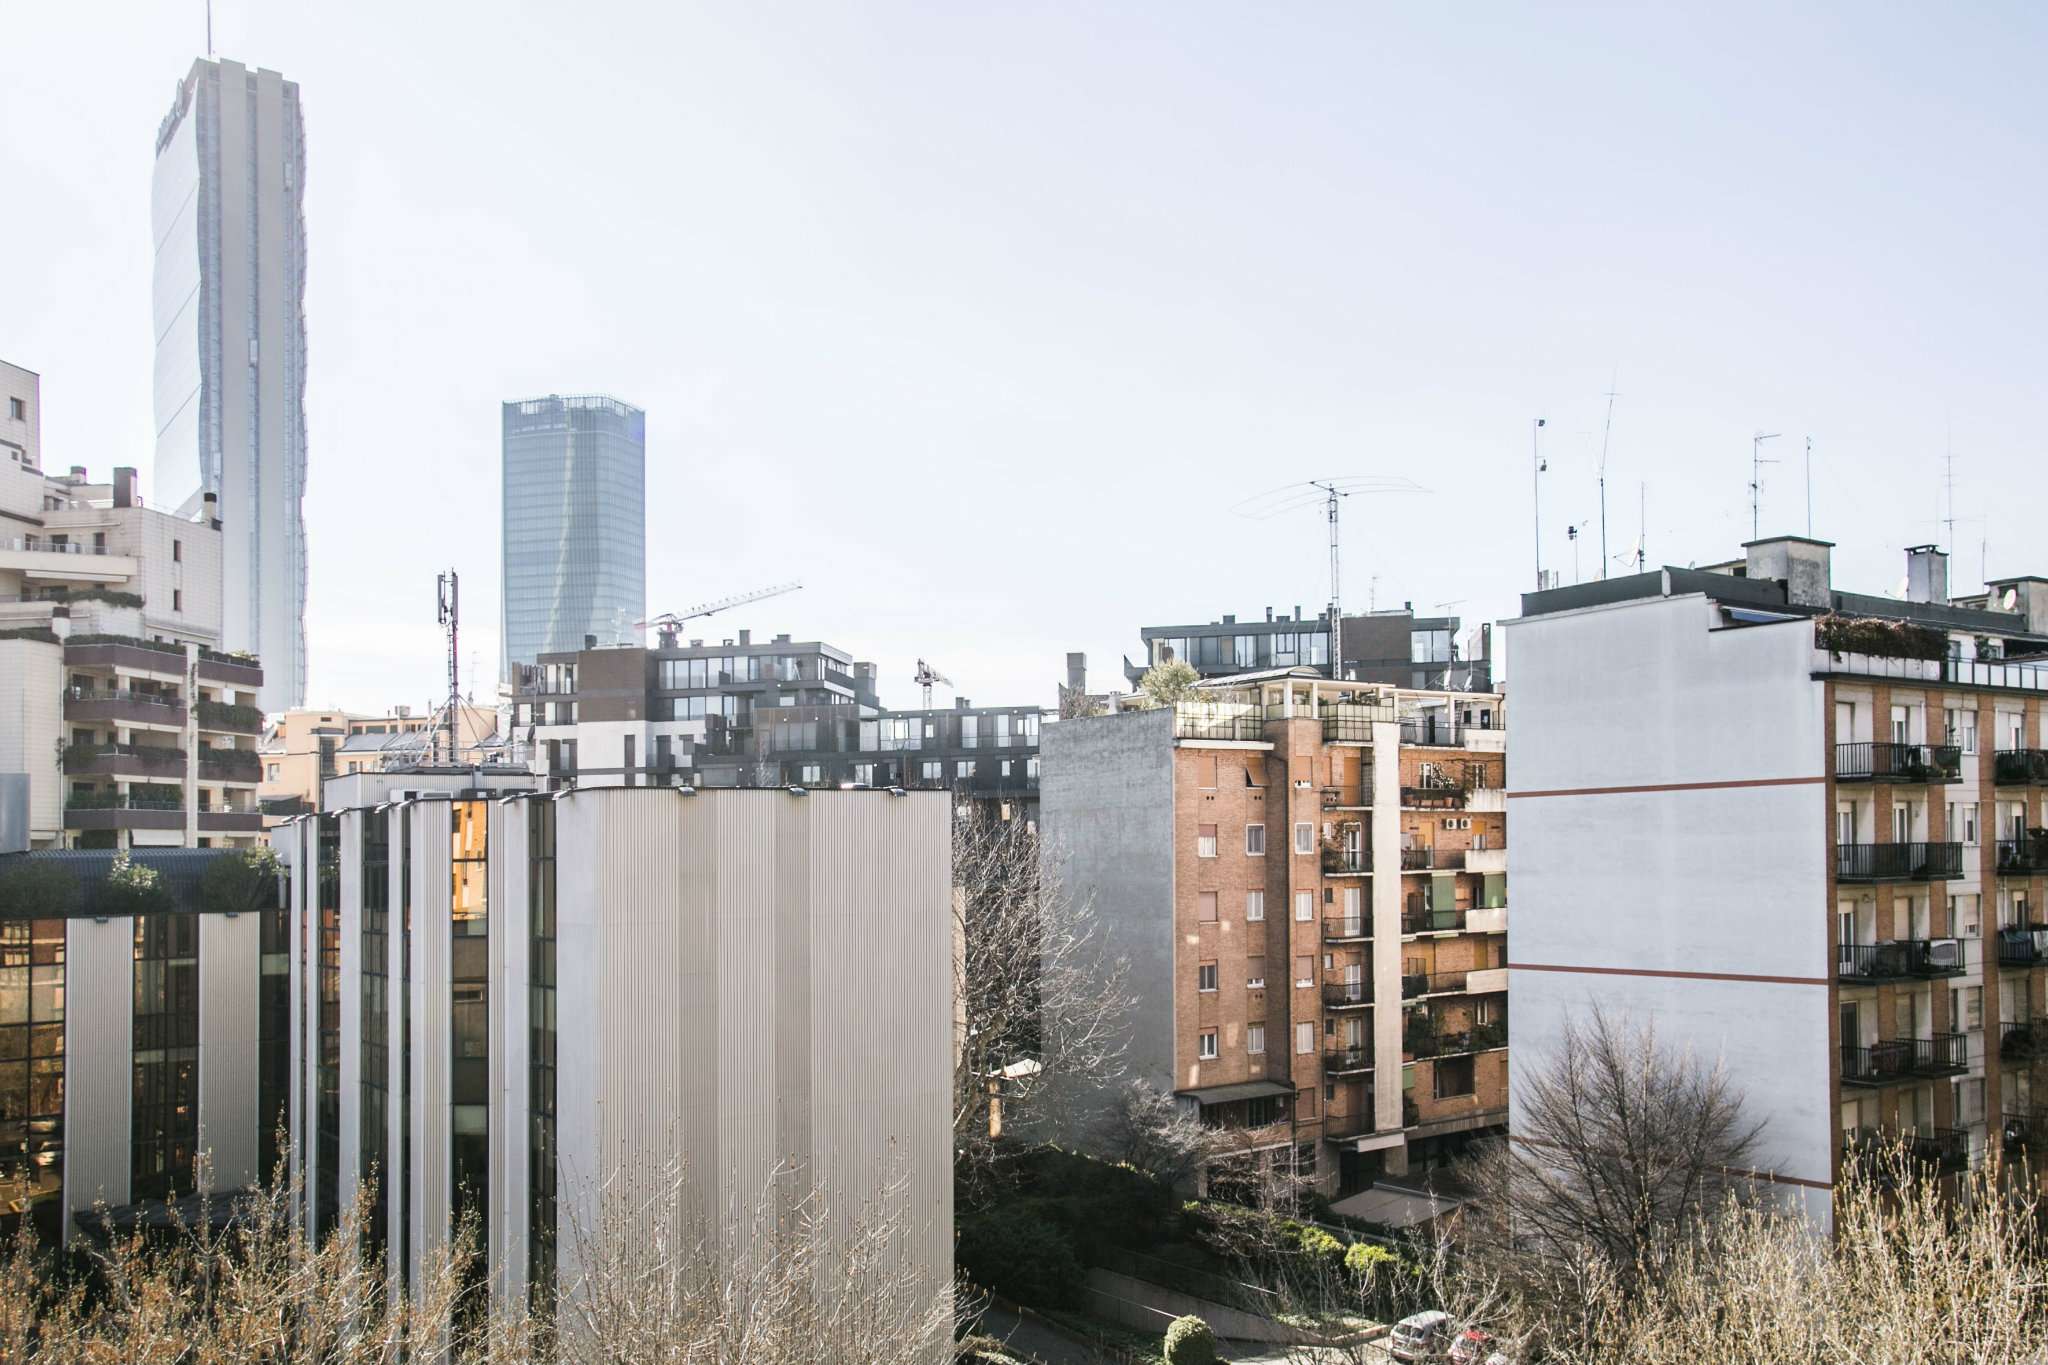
point(1243, 1090)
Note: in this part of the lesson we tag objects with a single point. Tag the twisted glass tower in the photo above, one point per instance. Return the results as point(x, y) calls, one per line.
point(574, 510)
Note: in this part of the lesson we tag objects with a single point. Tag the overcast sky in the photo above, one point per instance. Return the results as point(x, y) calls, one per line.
point(981, 318)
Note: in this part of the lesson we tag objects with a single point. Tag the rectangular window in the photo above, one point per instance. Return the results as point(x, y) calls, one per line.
point(1304, 906)
point(1206, 901)
point(1255, 1039)
point(1255, 973)
point(1208, 1046)
point(963, 768)
point(1254, 906)
point(1205, 841)
point(1969, 835)
point(1205, 977)
point(1205, 771)
point(1255, 841)
point(1305, 970)
point(1966, 732)
point(1304, 837)
point(177, 551)
point(1304, 1037)
point(177, 599)
point(1453, 1077)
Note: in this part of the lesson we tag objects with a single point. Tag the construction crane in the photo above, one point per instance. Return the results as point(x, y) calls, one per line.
point(670, 621)
point(926, 676)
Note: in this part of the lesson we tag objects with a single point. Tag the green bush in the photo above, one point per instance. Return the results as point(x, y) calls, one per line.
point(1318, 1245)
point(1190, 1342)
point(1873, 635)
point(40, 633)
point(1100, 1203)
point(1021, 1254)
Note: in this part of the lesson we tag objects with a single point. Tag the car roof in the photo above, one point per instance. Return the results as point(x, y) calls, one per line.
point(1429, 1317)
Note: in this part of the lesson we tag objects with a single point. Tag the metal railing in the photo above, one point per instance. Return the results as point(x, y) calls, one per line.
point(2016, 767)
point(2026, 857)
point(1347, 1059)
point(1895, 1059)
point(38, 545)
point(1946, 1149)
point(1425, 1043)
point(121, 801)
point(1337, 929)
point(1431, 920)
point(1347, 994)
point(1883, 761)
point(1432, 859)
point(2018, 1038)
point(126, 695)
point(1435, 796)
point(2022, 947)
point(1899, 959)
point(1994, 673)
point(1906, 862)
point(1352, 724)
point(1448, 734)
point(2026, 1129)
point(1193, 722)
point(1346, 859)
point(1416, 984)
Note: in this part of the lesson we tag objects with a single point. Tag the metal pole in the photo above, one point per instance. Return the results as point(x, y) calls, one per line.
point(1536, 495)
point(1336, 596)
point(1756, 481)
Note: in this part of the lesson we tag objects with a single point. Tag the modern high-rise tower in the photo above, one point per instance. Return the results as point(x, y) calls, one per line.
point(574, 525)
point(230, 328)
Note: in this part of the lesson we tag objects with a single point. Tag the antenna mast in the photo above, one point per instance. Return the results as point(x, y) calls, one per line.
point(1756, 481)
point(448, 607)
point(1536, 485)
point(1336, 597)
point(1809, 488)
point(1606, 432)
point(209, 28)
point(1642, 527)
point(1949, 477)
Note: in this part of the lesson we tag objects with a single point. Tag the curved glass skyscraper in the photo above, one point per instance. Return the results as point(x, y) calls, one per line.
point(574, 525)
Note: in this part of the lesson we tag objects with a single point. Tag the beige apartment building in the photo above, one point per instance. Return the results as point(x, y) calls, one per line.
point(303, 748)
point(1309, 878)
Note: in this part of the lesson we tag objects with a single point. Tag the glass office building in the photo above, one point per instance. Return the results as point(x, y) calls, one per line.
point(574, 525)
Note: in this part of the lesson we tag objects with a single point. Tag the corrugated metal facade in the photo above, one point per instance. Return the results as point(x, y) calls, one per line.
point(428, 1183)
point(99, 1065)
point(230, 1051)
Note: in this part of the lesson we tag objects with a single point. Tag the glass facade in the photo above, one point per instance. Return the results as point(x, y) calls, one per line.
point(32, 1076)
point(376, 1015)
point(327, 1141)
point(574, 516)
point(469, 1010)
point(404, 1034)
point(164, 1119)
point(541, 1080)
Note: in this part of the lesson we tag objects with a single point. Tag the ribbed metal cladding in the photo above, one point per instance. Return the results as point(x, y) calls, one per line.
point(510, 1048)
point(230, 1051)
point(350, 1168)
point(428, 1186)
point(99, 1069)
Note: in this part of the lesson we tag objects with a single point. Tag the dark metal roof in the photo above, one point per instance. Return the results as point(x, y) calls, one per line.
point(1243, 1090)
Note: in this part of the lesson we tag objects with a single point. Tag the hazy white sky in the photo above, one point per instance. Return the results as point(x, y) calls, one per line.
point(981, 318)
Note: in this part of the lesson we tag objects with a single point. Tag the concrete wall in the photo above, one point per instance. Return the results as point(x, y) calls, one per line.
point(1671, 830)
point(429, 1196)
point(1106, 809)
point(230, 1051)
point(31, 727)
point(99, 1068)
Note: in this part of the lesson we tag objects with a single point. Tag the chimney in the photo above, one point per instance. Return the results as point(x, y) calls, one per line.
point(210, 501)
point(1802, 565)
point(1269, 615)
point(124, 487)
point(590, 642)
point(1230, 620)
point(1077, 672)
point(961, 703)
point(746, 637)
point(1926, 574)
point(78, 473)
point(782, 639)
point(1297, 611)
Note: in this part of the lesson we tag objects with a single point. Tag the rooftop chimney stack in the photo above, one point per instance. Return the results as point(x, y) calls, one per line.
point(746, 637)
point(1077, 672)
point(1804, 566)
point(124, 486)
point(1926, 574)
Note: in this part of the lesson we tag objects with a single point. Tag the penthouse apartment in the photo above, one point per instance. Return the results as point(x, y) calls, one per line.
point(1799, 830)
point(1395, 646)
point(1309, 879)
point(526, 1003)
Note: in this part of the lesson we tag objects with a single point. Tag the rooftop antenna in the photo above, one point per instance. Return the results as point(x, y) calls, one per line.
point(1809, 488)
point(1756, 481)
point(448, 612)
point(1605, 432)
point(1536, 485)
point(1949, 479)
point(1571, 533)
point(1642, 527)
point(1330, 492)
point(209, 28)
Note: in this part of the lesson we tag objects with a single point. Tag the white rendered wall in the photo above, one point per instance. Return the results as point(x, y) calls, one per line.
point(1695, 897)
point(99, 1068)
point(230, 1047)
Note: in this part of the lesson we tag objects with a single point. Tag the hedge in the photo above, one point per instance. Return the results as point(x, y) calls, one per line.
point(1190, 1342)
point(1021, 1254)
point(42, 633)
point(1840, 634)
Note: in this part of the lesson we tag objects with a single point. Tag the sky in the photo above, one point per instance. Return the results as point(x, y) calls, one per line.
point(982, 320)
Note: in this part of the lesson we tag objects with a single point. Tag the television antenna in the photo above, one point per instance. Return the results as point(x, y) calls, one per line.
point(1756, 480)
point(1605, 432)
point(1330, 492)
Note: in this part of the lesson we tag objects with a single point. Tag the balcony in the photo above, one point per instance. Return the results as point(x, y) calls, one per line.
point(1945, 1149)
point(1346, 1061)
point(1905, 959)
point(2022, 947)
point(1415, 985)
point(1432, 859)
point(2026, 1131)
point(1488, 859)
point(1914, 764)
point(1359, 1123)
point(230, 820)
point(1352, 724)
point(132, 653)
point(229, 765)
point(1430, 732)
point(1892, 1061)
point(113, 706)
point(2021, 1039)
point(110, 810)
point(1346, 860)
point(1914, 862)
point(1424, 1043)
point(1199, 721)
point(227, 716)
point(1486, 919)
point(2020, 767)
point(165, 761)
point(1347, 995)
point(2025, 857)
point(1340, 930)
point(1420, 919)
point(1442, 794)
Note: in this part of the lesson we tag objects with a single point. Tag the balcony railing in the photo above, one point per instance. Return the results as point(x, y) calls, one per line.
point(42, 545)
point(1444, 795)
point(1347, 1059)
point(1425, 1043)
point(1893, 1060)
point(1910, 862)
point(219, 715)
point(2019, 767)
point(1346, 859)
point(1201, 722)
point(1881, 761)
point(1945, 1149)
point(1432, 859)
point(1425, 730)
point(1341, 995)
point(1352, 724)
point(1899, 960)
point(2019, 1039)
point(1419, 920)
point(2027, 857)
point(1417, 984)
point(1994, 673)
point(2022, 947)
point(1340, 930)
point(2026, 1130)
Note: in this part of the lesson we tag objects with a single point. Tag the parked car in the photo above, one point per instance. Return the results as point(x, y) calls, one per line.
point(1474, 1346)
point(1420, 1336)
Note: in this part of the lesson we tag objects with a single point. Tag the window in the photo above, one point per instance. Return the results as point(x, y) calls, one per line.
point(1973, 1007)
point(17, 409)
point(177, 599)
point(1254, 841)
point(1255, 973)
point(1453, 1077)
point(1254, 906)
point(1208, 1046)
point(812, 774)
point(1304, 837)
point(1205, 841)
point(1305, 970)
point(1304, 1037)
point(1205, 771)
point(1207, 902)
point(1243, 652)
point(963, 768)
point(270, 772)
point(933, 772)
point(1969, 1101)
point(1205, 977)
point(1255, 1039)
point(1304, 906)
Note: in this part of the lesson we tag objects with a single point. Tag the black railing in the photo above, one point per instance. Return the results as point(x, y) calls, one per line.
point(1418, 919)
point(1899, 959)
point(1896, 1059)
point(2018, 767)
point(2022, 947)
point(1910, 862)
point(1415, 984)
point(1346, 859)
point(1336, 930)
point(2024, 857)
point(1432, 859)
point(2019, 1038)
point(1423, 730)
point(1882, 761)
point(1946, 1149)
point(1435, 796)
point(1342, 728)
point(1347, 994)
point(1196, 723)
point(117, 801)
point(1422, 1043)
point(1347, 1059)
point(2026, 1130)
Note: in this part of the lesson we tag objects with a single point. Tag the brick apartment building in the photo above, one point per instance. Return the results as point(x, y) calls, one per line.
point(1800, 830)
point(1309, 879)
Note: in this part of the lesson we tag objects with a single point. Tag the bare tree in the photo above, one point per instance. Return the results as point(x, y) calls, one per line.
point(1150, 1130)
point(1623, 1147)
point(1043, 1001)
